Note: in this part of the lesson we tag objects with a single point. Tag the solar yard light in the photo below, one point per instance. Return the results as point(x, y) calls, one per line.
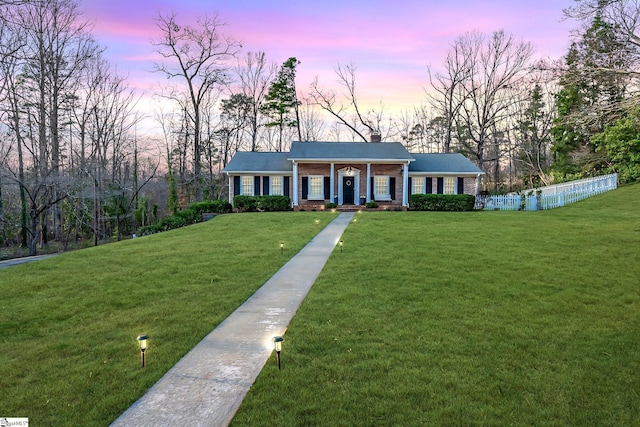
point(341, 243)
point(317, 221)
point(277, 346)
point(142, 341)
point(282, 247)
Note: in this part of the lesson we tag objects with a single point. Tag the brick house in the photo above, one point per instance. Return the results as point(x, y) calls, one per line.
point(349, 174)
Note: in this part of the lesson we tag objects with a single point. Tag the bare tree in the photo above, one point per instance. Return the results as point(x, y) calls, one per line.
point(199, 55)
point(447, 97)
point(255, 75)
point(493, 65)
point(349, 112)
point(311, 125)
point(624, 14)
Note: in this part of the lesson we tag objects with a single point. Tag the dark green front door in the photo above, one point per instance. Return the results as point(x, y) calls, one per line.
point(347, 190)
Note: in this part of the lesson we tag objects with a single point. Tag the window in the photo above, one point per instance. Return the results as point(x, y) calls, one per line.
point(449, 185)
point(247, 186)
point(276, 186)
point(381, 188)
point(418, 185)
point(316, 188)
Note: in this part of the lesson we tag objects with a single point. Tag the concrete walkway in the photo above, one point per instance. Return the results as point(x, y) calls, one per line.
point(206, 387)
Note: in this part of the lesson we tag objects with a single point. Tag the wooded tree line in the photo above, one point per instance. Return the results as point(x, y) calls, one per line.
point(73, 167)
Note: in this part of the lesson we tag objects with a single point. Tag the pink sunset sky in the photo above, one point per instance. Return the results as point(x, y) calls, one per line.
point(390, 42)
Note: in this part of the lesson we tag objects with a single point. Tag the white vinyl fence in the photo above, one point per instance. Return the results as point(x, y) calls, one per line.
point(549, 197)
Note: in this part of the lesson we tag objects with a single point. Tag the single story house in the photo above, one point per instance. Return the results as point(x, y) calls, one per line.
point(349, 173)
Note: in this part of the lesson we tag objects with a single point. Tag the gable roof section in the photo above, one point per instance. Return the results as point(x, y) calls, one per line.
point(391, 152)
point(257, 162)
point(452, 163)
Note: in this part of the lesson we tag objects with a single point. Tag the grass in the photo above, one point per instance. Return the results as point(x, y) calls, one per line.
point(486, 318)
point(68, 324)
point(522, 318)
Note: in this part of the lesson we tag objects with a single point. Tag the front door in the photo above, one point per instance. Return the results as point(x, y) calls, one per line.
point(347, 190)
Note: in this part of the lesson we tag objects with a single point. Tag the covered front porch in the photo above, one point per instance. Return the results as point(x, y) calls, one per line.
point(349, 185)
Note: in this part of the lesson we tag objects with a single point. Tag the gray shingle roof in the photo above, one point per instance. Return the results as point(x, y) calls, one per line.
point(281, 163)
point(352, 151)
point(443, 163)
point(253, 162)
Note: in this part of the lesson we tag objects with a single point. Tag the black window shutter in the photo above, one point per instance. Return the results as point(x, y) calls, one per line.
point(429, 189)
point(460, 185)
point(392, 187)
point(256, 185)
point(410, 187)
point(305, 187)
point(327, 187)
point(265, 185)
point(286, 186)
point(236, 185)
point(440, 185)
point(373, 188)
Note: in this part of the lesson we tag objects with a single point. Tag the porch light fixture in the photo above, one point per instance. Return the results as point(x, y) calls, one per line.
point(277, 346)
point(341, 243)
point(142, 341)
point(349, 171)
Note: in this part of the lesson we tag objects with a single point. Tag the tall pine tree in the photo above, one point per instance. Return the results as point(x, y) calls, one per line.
point(281, 103)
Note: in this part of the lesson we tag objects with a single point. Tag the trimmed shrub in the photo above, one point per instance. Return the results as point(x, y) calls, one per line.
point(262, 203)
point(191, 215)
point(274, 203)
point(441, 202)
point(171, 222)
point(245, 203)
point(211, 206)
point(149, 229)
point(330, 205)
point(371, 205)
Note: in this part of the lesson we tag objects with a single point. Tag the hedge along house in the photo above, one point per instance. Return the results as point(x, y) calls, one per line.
point(349, 174)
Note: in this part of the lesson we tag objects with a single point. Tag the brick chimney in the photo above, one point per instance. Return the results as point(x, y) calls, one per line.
point(376, 137)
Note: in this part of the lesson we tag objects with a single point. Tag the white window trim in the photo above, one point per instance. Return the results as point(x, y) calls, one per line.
point(242, 185)
point(317, 196)
point(378, 196)
point(422, 181)
point(449, 179)
point(281, 186)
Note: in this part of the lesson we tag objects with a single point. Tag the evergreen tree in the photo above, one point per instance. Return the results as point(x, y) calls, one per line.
point(592, 89)
point(281, 103)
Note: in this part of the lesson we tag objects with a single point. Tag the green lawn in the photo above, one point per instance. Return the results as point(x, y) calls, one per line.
point(498, 318)
point(484, 318)
point(68, 324)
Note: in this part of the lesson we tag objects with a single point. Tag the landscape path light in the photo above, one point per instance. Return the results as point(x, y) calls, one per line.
point(317, 221)
point(277, 346)
point(341, 243)
point(282, 247)
point(142, 341)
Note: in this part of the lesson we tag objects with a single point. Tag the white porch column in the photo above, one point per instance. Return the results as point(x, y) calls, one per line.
point(332, 191)
point(405, 184)
point(295, 184)
point(229, 186)
point(368, 182)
